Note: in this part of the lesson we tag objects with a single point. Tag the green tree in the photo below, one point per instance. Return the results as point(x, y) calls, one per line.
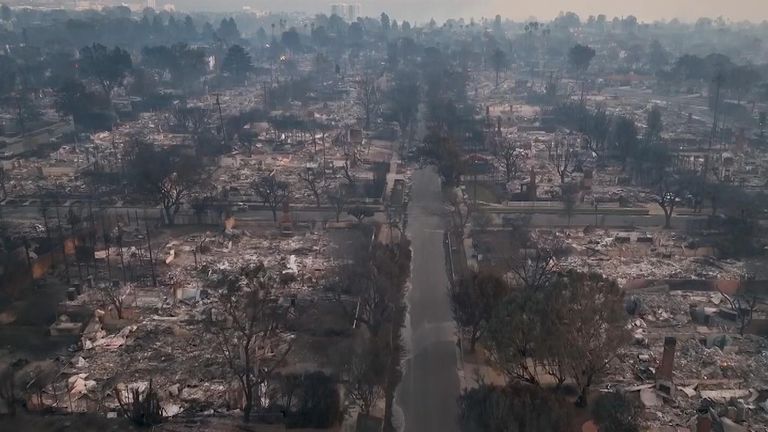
point(624, 138)
point(403, 99)
point(107, 67)
point(291, 39)
point(8, 75)
point(73, 99)
point(499, 63)
point(658, 57)
point(228, 31)
point(237, 63)
point(580, 56)
point(5, 12)
point(474, 298)
point(514, 408)
point(443, 151)
point(654, 126)
point(614, 412)
point(189, 29)
point(740, 80)
point(385, 23)
point(186, 65)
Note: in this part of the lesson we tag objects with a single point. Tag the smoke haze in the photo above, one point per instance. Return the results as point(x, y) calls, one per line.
point(647, 10)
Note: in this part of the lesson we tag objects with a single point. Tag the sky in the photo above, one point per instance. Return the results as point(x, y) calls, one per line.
point(645, 10)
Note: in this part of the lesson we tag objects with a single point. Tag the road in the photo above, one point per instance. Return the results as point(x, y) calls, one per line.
point(430, 386)
point(614, 221)
point(258, 213)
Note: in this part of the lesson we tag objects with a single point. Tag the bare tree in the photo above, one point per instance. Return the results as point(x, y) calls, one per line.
point(347, 172)
point(667, 197)
point(273, 192)
point(313, 183)
point(193, 120)
point(367, 376)
point(569, 197)
point(565, 157)
point(143, 409)
point(339, 201)
point(569, 328)
point(515, 330)
point(112, 294)
point(536, 268)
point(462, 209)
point(165, 177)
point(360, 213)
point(248, 333)
point(44, 210)
point(3, 184)
point(248, 139)
point(744, 306)
point(376, 278)
point(509, 157)
point(8, 391)
point(368, 97)
point(593, 322)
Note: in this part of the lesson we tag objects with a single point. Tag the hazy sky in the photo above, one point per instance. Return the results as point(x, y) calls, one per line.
point(753, 10)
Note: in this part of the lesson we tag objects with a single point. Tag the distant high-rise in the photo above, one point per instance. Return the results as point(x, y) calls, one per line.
point(337, 9)
point(152, 4)
point(353, 11)
point(350, 12)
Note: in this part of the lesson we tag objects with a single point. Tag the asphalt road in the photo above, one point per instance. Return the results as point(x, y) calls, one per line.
point(613, 221)
point(31, 213)
point(427, 396)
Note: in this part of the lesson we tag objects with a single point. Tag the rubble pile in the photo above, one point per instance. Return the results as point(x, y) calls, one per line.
point(645, 255)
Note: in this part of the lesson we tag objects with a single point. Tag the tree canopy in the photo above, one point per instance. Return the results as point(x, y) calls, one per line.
point(107, 67)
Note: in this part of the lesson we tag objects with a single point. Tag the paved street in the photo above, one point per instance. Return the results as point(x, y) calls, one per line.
point(256, 213)
point(429, 389)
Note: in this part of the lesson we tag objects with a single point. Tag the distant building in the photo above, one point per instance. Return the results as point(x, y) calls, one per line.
point(337, 9)
point(353, 12)
point(350, 12)
point(152, 4)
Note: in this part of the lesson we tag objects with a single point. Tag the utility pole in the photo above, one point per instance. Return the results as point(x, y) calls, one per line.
point(106, 236)
point(221, 117)
point(718, 80)
point(151, 260)
point(63, 247)
point(29, 260)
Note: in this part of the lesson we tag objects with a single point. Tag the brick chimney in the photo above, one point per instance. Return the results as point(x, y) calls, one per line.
point(703, 423)
point(664, 373)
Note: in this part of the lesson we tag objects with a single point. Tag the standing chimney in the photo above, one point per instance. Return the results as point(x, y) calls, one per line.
point(703, 423)
point(664, 373)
